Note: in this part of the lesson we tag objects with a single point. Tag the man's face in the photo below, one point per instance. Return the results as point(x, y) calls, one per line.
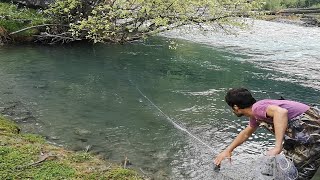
point(237, 112)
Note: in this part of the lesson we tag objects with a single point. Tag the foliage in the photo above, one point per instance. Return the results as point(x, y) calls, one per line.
point(127, 20)
point(20, 159)
point(13, 18)
point(66, 11)
point(316, 5)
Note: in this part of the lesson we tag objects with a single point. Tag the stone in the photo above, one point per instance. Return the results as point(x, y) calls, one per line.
point(82, 132)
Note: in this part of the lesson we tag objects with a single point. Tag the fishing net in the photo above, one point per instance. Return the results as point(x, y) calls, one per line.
point(262, 168)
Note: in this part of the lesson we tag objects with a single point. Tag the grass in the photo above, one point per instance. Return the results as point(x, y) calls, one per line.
point(13, 18)
point(8, 126)
point(21, 157)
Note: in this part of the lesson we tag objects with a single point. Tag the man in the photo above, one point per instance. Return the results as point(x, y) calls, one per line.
point(294, 123)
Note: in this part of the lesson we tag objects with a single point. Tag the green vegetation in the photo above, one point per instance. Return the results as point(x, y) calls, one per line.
point(120, 21)
point(126, 20)
point(281, 4)
point(8, 126)
point(120, 174)
point(27, 156)
point(13, 18)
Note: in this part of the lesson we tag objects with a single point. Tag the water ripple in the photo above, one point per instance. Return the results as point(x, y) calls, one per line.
point(292, 50)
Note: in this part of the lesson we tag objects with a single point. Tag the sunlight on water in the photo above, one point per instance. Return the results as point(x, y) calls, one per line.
point(269, 48)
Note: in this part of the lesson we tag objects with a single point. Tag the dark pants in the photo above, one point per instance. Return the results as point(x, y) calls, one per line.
point(306, 159)
point(302, 142)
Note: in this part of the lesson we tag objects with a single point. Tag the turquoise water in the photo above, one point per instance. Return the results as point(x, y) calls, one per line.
point(84, 95)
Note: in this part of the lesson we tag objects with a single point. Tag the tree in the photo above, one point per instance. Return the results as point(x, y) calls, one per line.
point(126, 20)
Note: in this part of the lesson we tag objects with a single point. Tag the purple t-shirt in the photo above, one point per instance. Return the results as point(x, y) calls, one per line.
point(259, 110)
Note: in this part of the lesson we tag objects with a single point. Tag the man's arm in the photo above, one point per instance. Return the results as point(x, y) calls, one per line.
point(242, 136)
point(280, 122)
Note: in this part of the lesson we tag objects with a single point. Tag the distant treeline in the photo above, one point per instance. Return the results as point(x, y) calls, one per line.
point(281, 4)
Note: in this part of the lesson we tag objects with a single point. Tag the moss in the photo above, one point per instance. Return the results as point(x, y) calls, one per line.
point(80, 157)
point(13, 18)
point(122, 174)
point(22, 157)
point(7, 126)
point(53, 170)
point(11, 159)
point(33, 138)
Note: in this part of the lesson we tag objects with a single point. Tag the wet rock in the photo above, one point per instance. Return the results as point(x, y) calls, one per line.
point(161, 175)
point(82, 135)
point(88, 148)
point(310, 21)
point(54, 138)
point(126, 163)
point(25, 119)
point(17, 112)
point(41, 86)
point(10, 108)
point(7, 92)
point(81, 139)
point(149, 170)
point(81, 132)
point(77, 147)
point(81, 147)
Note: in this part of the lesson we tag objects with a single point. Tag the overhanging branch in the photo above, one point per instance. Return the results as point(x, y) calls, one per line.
point(37, 26)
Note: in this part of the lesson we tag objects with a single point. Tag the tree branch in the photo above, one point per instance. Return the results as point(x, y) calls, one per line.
point(37, 26)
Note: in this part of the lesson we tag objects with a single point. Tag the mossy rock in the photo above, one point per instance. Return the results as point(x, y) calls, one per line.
point(7, 126)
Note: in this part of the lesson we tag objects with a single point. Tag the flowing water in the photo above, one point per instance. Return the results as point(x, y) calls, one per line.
point(145, 100)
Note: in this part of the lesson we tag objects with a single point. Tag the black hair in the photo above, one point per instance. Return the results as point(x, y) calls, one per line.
point(240, 97)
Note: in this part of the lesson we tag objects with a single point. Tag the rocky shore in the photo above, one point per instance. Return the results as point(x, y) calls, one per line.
point(29, 156)
point(300, 20)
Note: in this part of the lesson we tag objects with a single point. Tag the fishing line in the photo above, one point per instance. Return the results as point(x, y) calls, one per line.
point(170, 119)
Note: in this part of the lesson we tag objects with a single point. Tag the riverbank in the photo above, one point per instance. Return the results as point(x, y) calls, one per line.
point(295, 19)
point(25, 156)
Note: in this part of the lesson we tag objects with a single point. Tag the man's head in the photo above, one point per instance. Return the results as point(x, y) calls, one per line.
point(238, 99)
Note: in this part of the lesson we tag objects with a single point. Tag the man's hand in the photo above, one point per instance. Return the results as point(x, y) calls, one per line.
point(274, 151)
point(224, 154)
point(242, 136)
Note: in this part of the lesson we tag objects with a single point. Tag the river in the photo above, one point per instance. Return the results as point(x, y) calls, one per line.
point(120, 99)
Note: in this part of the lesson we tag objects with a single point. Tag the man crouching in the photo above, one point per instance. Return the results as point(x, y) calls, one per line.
point(296, 127)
